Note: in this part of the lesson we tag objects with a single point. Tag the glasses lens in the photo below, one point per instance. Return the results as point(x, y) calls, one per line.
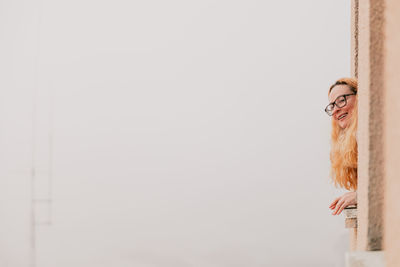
point(341, 102)
point(329, 109)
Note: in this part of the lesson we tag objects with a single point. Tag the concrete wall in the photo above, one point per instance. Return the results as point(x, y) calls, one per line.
point(376, 60)
point(370, 126)
point(392, 133)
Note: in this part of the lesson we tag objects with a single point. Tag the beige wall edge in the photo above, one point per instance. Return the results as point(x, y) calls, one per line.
point(392, 134)
point(370, 141)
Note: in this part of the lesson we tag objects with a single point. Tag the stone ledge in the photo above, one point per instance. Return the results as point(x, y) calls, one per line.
point(350, 215)
point(365, 259)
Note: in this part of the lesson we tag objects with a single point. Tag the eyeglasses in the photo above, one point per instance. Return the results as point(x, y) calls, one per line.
point(340, 102)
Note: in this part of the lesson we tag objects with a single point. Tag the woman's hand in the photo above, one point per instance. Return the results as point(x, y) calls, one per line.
point(342, 202)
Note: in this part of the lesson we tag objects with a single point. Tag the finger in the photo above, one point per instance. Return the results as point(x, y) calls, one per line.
point(343, 205)
point(334, 202)
point(338, 207)
point(341, 209)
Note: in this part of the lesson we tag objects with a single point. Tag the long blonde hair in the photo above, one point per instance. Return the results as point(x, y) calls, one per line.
point(344, 154)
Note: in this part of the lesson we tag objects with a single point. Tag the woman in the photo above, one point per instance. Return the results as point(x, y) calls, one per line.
point(343, 109)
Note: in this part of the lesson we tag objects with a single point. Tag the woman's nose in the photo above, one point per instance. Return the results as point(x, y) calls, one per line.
point(335, 110)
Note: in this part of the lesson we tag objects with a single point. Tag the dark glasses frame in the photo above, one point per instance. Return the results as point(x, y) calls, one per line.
point(329, 108)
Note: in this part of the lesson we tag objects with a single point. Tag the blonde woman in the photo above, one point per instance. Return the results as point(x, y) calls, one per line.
point(343, 109)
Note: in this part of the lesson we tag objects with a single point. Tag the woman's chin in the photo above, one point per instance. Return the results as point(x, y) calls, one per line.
point(342, 124)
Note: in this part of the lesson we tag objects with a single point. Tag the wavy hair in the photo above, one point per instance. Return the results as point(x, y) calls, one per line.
point(344, 153)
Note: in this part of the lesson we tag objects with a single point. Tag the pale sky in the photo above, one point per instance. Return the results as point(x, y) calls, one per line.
point(170, 133)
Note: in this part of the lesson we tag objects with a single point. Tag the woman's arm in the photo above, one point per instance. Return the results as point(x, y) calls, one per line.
point(342, 202)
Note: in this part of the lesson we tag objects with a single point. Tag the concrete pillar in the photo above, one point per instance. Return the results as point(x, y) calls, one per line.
point(354, 73)
point(370, 136)
point(392, 133)
point(354, 38)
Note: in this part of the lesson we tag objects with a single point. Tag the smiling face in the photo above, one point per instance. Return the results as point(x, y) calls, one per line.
point(342, 115)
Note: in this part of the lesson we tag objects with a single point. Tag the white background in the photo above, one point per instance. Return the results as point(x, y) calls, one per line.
point(169, 133)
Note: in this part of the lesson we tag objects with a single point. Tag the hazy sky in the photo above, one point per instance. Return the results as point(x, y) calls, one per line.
point(170, 133)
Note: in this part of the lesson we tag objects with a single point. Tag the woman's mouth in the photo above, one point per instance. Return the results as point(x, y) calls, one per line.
point(341, 117)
